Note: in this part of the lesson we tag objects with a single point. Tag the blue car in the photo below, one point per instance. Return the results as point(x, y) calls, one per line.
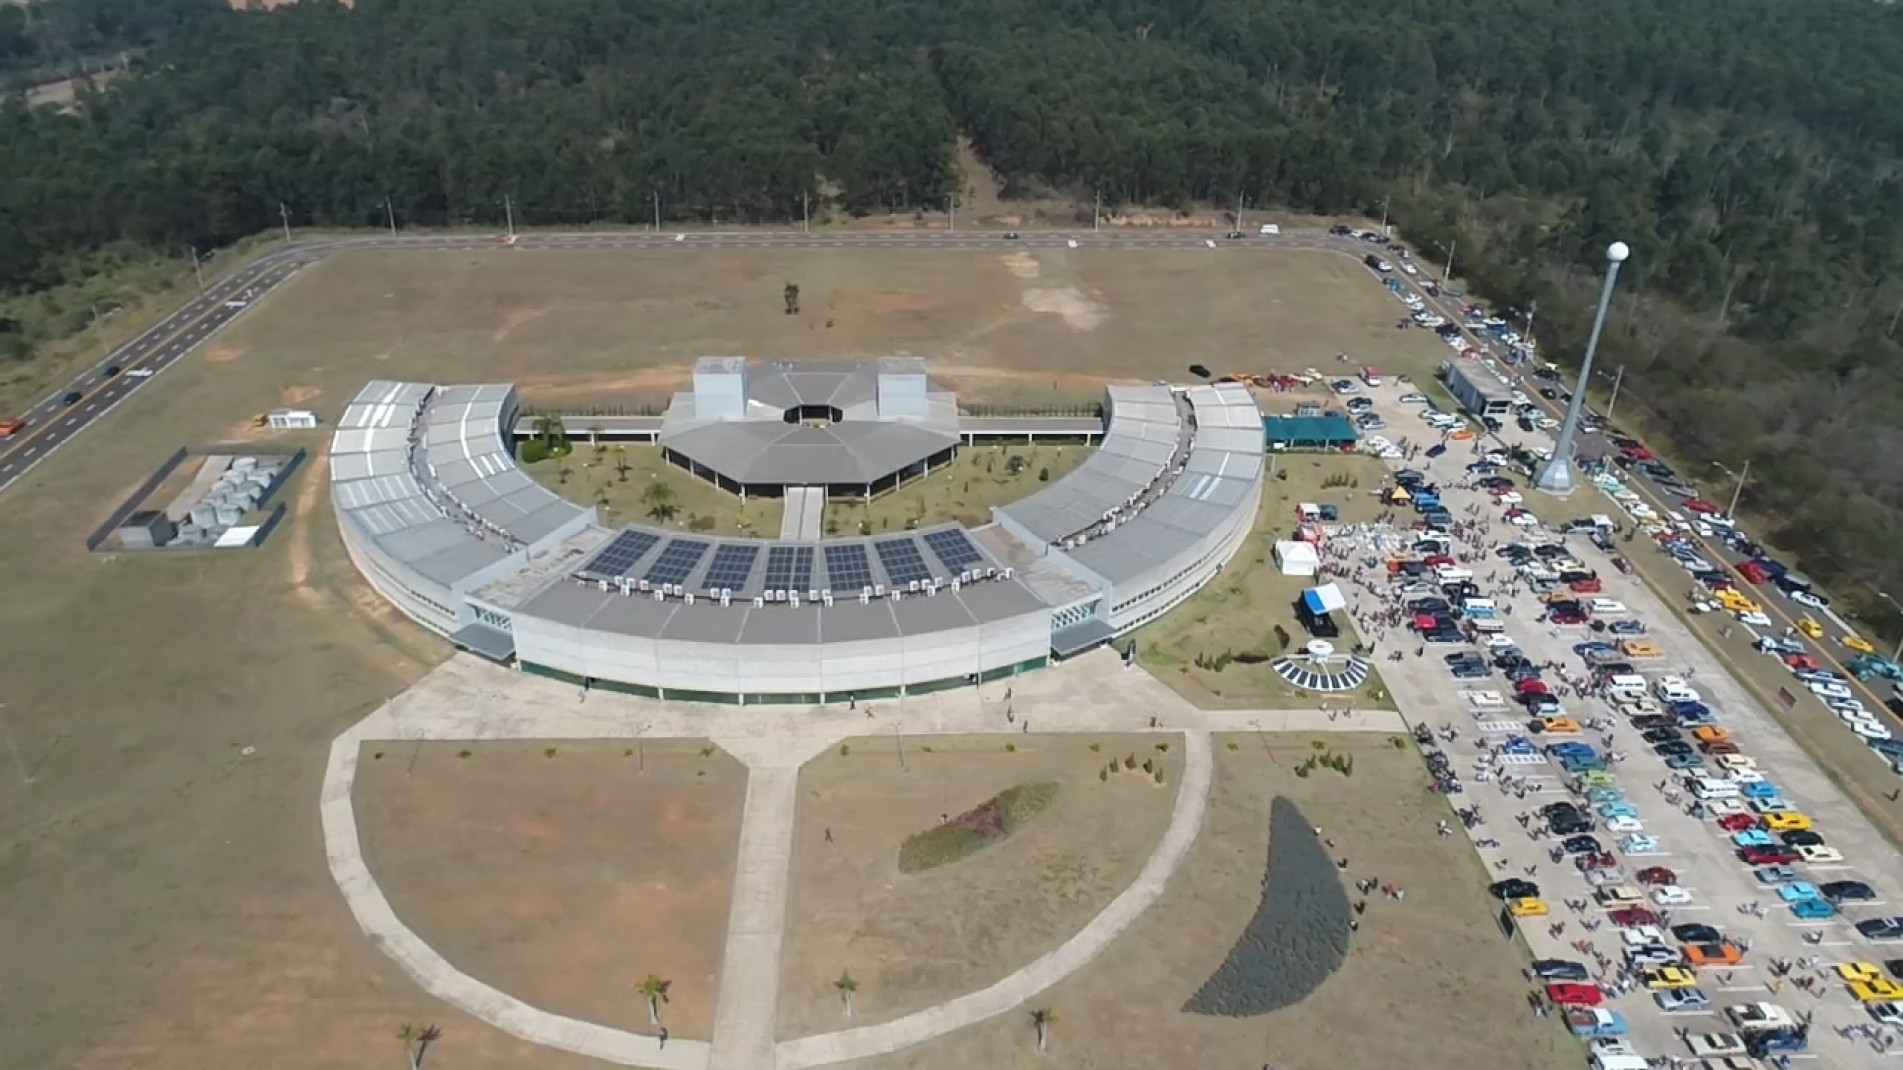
point(1774, 874)
point(1759, 789)
point(1595, 764)
point(1618, 809)
point(1812, 909)
point(1684, 761)
point(1798, 891)
point(1588, 649)
point(1626, 627)
point(1571, 749)
point(1604, 795)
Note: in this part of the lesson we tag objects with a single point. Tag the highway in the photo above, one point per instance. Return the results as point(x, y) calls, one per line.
point(51, 423)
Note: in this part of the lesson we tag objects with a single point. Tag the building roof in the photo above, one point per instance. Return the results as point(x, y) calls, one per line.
point(1146, 429)
point(1329, 427)
point(423, 474)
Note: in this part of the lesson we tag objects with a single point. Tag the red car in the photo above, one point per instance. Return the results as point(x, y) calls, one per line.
point(1633, 917)
point(1571, 995)
point(1656, 875)
point(1602, 860)
point(1439, 561)
point(1767, 856)
point(1568, 619)
point(1592, 586)
point(1737, 822)
point(1801, 663)
point(1754, 572)
point(1700, 505)
point(1530, 687)
point(1635, 453)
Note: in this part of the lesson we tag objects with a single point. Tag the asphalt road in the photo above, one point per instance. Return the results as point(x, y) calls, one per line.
point(51, 423)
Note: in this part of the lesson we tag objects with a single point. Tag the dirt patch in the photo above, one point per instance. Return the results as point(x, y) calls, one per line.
point(1022, 265)
point(223, 352)
point(563, 880)
point(1078, 311)
point(299, 394)
point(1414, 965)
point(514, 320)
point(912, 940)
point(658, 383)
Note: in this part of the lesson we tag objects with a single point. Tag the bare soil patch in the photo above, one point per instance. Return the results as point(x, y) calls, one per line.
point(563, 880)
point(1414, 966)
point(913, 940)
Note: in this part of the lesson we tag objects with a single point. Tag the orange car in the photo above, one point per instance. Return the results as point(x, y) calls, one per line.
point(1710, 733)
point(1707, 956)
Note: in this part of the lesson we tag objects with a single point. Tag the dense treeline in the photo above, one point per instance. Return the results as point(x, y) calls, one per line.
point(1747, 151)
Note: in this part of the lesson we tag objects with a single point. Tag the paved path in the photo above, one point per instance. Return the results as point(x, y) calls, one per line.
point(467, 699)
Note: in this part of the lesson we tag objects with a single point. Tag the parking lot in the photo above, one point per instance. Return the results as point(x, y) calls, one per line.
point(1644, 815)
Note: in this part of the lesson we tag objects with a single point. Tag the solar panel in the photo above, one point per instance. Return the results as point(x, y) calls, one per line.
point(847, 567)
point(621, 553)
point(903, 563)
point(953, 549)
point(677, 559)
point(733, 563)
point(789, 568)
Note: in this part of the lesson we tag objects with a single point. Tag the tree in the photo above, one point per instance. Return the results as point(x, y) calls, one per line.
point(621, 462)
point(548, 429)
point(594, 437)
point(792, 295)
point(416, 1041)
point(562, 474)
point(1041, 1020)
point(653, 988)
point(659, 498)
point(846, 986)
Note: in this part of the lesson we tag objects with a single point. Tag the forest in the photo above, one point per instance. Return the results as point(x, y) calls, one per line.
point(1747, 151)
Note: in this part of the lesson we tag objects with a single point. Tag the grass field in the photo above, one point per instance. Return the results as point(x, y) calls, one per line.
point(594, 477)
point(563, 880)
point(912, 940)
point(164, 899)
point(1239, 610)
point(964, 491)
point(1416, 965)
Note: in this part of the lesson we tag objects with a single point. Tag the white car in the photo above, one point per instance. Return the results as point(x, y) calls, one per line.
point(1870, 729)
point(1724, 807)
point(1776, 804)
point(1847, 705)
point(1885, 1013)
point(1693, 563)
point(1512, 497)
point(1670, 895)
point(1820, 854)
point(139, 373)
point(1546, 423)
point(1805, 598)
point(1410, 268)
point(1412, 399)
point(1754, 619)
point(1828, 689)
point(1625, 824)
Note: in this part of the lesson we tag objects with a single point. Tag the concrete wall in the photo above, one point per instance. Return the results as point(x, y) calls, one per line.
point(429, 604)
point(1184, 575)
point(791, 669)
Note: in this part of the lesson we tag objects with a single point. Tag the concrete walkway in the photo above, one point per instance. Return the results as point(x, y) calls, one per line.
point(801, 513)
point(467, 699)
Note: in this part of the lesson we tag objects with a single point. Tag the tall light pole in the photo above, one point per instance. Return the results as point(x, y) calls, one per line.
point(1557, 476)
point(198, 268)
point(1618, 380)
point(1447, 278)
point(1898, 656)
point(1738, 490)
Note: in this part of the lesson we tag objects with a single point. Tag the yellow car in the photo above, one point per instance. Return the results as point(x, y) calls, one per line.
point(1881, 990)
point(1738, 603)
point(1527, 908)
point(1670, 977)
point(1859, 972)
point(1559, 726)
point(1786, 821)
point(1811, 628)
point(1858, 643)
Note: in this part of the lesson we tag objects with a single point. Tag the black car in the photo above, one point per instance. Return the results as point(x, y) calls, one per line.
point(72, 398)
point(1558, 970)
point(1802, 838)
point(1881, 928)
point(1549, 393)
point(1672, 750)
point(1514, 888)
point(1569, 826)
point(1649, 721)
point(1236, 235)
point(1465, 655)
point(1847, 892)
point(1697, 934)
point(1340, 231)
point(1552, 809)
point(1895, 966)
point(1428, 606)
point(1200, 371)
point(1581, 845)
point(1010, 235)
point(111, 370)
point(1662, 735)
point(1551, 551)
point(1498, 482)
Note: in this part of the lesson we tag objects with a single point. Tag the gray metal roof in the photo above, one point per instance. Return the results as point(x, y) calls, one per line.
point(424, 474)
point(1145, 430)
point(586, 606)
point(1223, 464)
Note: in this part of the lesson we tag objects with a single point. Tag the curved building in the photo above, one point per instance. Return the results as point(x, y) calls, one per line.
point(441, 521)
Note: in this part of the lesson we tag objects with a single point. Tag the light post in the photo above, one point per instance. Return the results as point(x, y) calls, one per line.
point(1557, 476)
point(1737, 491)
point(1447, 277)
point(1618, 380)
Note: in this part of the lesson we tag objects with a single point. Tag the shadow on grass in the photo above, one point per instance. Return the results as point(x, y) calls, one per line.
point(1299, 935)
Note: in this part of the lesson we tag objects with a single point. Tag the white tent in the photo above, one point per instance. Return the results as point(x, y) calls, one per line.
point(1324, 599)
point(1297, 558)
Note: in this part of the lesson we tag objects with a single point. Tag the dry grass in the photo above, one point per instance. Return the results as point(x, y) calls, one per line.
point(1416, 968)
point(166, 899)
point(563, 880)
point(917, 939)
point(1239, 610)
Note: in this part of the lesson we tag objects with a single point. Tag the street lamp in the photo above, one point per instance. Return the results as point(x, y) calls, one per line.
point(1737, 491)
point(1557, 476)
point(1448, 275)
point(1898, 656)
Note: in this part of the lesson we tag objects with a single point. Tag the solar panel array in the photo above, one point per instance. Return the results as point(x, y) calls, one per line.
point(847, 567)
point(902, 561)
point(789, 568)
point(677, 559)
point(622, 552)
point(953, 549)
point(733, 563)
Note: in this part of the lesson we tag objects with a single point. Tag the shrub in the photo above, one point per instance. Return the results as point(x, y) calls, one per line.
point(1159, 776)
point(532, 451)
point(1096, 748)
point(548, 752)
point(1164, 747)
point(982, 825)
point(1149, 766)
point(464, 753)
point(1130, 760)
point(1234, 746)
point(707, 752)
point(1043, 475)
point(1103, 774)
point(845, 749)
point(1299, 935)
point(1011, 748)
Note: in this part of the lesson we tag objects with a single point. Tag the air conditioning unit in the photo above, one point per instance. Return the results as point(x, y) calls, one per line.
point(828, 596)
point(660, 596)
point(1009, 572)
point(812, 596)
point(726, 598)
point(758, 602)
point(690, 599)
point(896, 595)
point(956, 584)
point(601, 585)
point(865, 593)
point(878, 590)
point(914, 587)
point(865, 598)
point(643, 585)
point(794, 600)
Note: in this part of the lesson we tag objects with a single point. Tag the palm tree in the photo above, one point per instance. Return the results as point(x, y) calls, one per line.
point(653, 988)
point(846, 986)
point(1042, 1019)
point(416, 1041)
point(548, 428)
point(792, 296)
point(621, 461)
point(659, 498)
